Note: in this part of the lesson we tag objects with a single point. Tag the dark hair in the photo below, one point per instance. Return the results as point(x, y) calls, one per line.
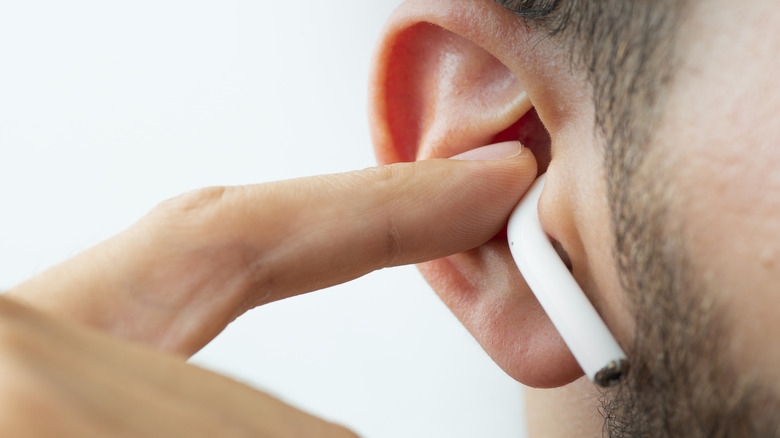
point(625, 46)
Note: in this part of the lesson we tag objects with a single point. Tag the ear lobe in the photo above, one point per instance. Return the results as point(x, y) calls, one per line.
point(438, 90)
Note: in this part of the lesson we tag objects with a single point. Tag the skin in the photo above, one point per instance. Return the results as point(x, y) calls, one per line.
point(483, 287)
point(734, 251)
point(169, 284)
point(87, 384)
point(250, 242)
point(451, 76)
point(713, 150)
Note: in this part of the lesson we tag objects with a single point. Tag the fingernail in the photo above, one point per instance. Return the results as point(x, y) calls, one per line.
point(498, 151)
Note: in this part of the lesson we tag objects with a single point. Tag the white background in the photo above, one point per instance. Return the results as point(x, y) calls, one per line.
point(107, 108)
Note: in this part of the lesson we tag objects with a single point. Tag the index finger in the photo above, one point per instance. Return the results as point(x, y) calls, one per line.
point(179, 276)
point(310, 233)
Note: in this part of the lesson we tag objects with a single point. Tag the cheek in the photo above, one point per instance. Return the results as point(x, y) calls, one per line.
point(722, 134)
point(729, 225)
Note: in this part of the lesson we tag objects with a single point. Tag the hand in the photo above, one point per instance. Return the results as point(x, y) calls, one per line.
point(59, 379)
point(179, 276)
point(176, 278)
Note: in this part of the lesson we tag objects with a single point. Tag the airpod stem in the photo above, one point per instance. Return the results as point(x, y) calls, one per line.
point(551, 281)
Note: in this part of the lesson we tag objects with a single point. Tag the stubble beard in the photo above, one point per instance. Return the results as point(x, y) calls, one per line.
point(682, 381)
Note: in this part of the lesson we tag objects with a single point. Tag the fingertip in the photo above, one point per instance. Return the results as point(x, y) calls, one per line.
point(482, 192)
point(498, 151)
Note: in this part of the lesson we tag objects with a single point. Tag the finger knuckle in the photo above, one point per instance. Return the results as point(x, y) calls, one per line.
point(391, 183)
point(392, 174)
point(393, 248)
point(195, 203)
point(193, 215)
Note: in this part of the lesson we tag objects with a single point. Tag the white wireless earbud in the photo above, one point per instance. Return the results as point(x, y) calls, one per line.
point(580, 326)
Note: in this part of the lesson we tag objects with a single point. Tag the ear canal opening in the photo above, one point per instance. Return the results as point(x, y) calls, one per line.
point(562, 254)
point(532, 133)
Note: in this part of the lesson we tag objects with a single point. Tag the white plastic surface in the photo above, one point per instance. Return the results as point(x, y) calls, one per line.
point(580, 326)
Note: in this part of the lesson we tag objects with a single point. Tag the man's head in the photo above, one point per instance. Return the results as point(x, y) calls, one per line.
point(661, 118)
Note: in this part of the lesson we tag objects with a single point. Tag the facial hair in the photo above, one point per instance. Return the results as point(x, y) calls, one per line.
point(682, 382)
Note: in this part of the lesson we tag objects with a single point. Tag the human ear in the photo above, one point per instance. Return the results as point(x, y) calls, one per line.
point(453, 75)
